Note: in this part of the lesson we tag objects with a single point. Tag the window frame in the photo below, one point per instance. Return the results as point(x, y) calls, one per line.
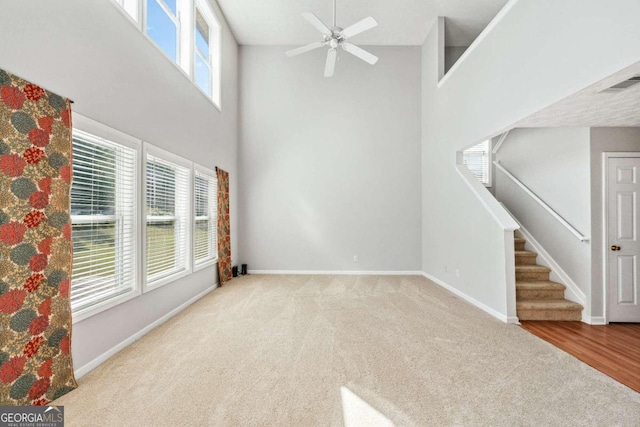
point(84, 126)
point(180, 4)
point(90, 129)
point(186, 39)
point(151, 150)
point(199, 265)
point(198, 52)
point(215, 50)
point(132, 9)
point(489, 181)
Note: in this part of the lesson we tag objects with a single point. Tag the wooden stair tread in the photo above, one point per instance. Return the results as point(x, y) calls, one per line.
point(532, 268)
point(537, 297)
point(523, 257)
point(526, 253)
point(539, 285)
point(548, 305)
point(518, 243)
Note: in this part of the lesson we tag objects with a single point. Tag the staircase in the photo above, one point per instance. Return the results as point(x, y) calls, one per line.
point(537, 298)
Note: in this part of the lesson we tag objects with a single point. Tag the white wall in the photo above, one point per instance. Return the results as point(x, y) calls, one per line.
point(462, 245)
point(555, 164)
point(514, 69)
point(603, 140)
point(451, 55)
point(330, 167)
point(90, 52)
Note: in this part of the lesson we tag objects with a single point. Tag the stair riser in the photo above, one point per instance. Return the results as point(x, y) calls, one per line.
point(529, 294)
point(525, 260)
point(552, 315)
point(532, 275)
point(536, 300)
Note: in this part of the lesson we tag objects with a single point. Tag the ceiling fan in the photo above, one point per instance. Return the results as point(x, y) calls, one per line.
point(336, 37)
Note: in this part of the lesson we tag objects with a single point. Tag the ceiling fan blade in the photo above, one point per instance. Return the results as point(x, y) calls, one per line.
point(303, 49)
point(359, 27)
point(330, 66)
point(316, 22)
point(360, 53)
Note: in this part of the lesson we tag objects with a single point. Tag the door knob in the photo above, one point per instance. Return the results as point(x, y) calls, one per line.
point(615, 248)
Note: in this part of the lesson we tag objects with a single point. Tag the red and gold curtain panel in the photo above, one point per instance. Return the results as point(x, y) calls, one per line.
point(35, 244)
point(224, 229)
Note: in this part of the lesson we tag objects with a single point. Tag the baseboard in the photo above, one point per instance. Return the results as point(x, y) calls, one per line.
point(593, 320)
point(346, 273)
point(502, 317)
point(84, 370)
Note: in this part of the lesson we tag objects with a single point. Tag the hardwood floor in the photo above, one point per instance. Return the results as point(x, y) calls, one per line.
point(612, 349)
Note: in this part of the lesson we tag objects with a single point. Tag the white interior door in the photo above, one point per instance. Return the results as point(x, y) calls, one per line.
point(623, 246)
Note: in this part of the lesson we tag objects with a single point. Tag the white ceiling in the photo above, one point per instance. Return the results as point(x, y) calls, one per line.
point(400, 22)
point(591, 107)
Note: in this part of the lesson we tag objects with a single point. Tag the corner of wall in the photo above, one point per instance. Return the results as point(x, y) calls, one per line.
point(441, 46)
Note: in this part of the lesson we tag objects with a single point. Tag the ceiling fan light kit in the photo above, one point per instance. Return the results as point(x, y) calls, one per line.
point(336, 37)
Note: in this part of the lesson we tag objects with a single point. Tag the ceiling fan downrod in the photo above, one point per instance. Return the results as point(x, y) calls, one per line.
point(334, 13)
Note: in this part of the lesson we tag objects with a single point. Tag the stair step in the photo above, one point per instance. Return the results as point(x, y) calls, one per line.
point(518, 243)
point(554, 310)
point(532, 272)
point(525, 257)
point(539, 290)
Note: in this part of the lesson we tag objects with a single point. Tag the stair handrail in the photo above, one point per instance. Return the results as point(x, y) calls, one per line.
point(501, 140)
point(490, 203)
point(542, 203)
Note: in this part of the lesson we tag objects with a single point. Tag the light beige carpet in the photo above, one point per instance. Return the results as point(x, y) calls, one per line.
point(325, 350)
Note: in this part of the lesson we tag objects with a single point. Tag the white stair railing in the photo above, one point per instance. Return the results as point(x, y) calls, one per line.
point(490, 203)
point(498, 144)
point(542, 203)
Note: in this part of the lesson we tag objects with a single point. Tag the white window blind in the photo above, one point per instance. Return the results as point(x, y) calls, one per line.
point(168, 189)
point(477, 160)
point(103, 197)
point(206, 208)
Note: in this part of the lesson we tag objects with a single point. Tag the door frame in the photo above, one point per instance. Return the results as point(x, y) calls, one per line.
point(605, 224)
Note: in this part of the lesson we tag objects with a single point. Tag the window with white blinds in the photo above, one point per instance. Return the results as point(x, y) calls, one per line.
point(478, 160)
point(103, 211)
point(206, 208)
point(167, 199)
point(141, 217)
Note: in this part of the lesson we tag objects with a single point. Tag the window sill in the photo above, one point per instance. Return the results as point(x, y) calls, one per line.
point(208, 98)
point(88, 312)
point(202, 266)
point(158, 283)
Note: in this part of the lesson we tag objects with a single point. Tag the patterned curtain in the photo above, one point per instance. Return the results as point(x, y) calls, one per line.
point(224, 229)
point(35, 244)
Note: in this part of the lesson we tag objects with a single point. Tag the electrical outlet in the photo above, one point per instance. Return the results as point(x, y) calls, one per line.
point(446, 269)
point(355, 258)
point(457, 273)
